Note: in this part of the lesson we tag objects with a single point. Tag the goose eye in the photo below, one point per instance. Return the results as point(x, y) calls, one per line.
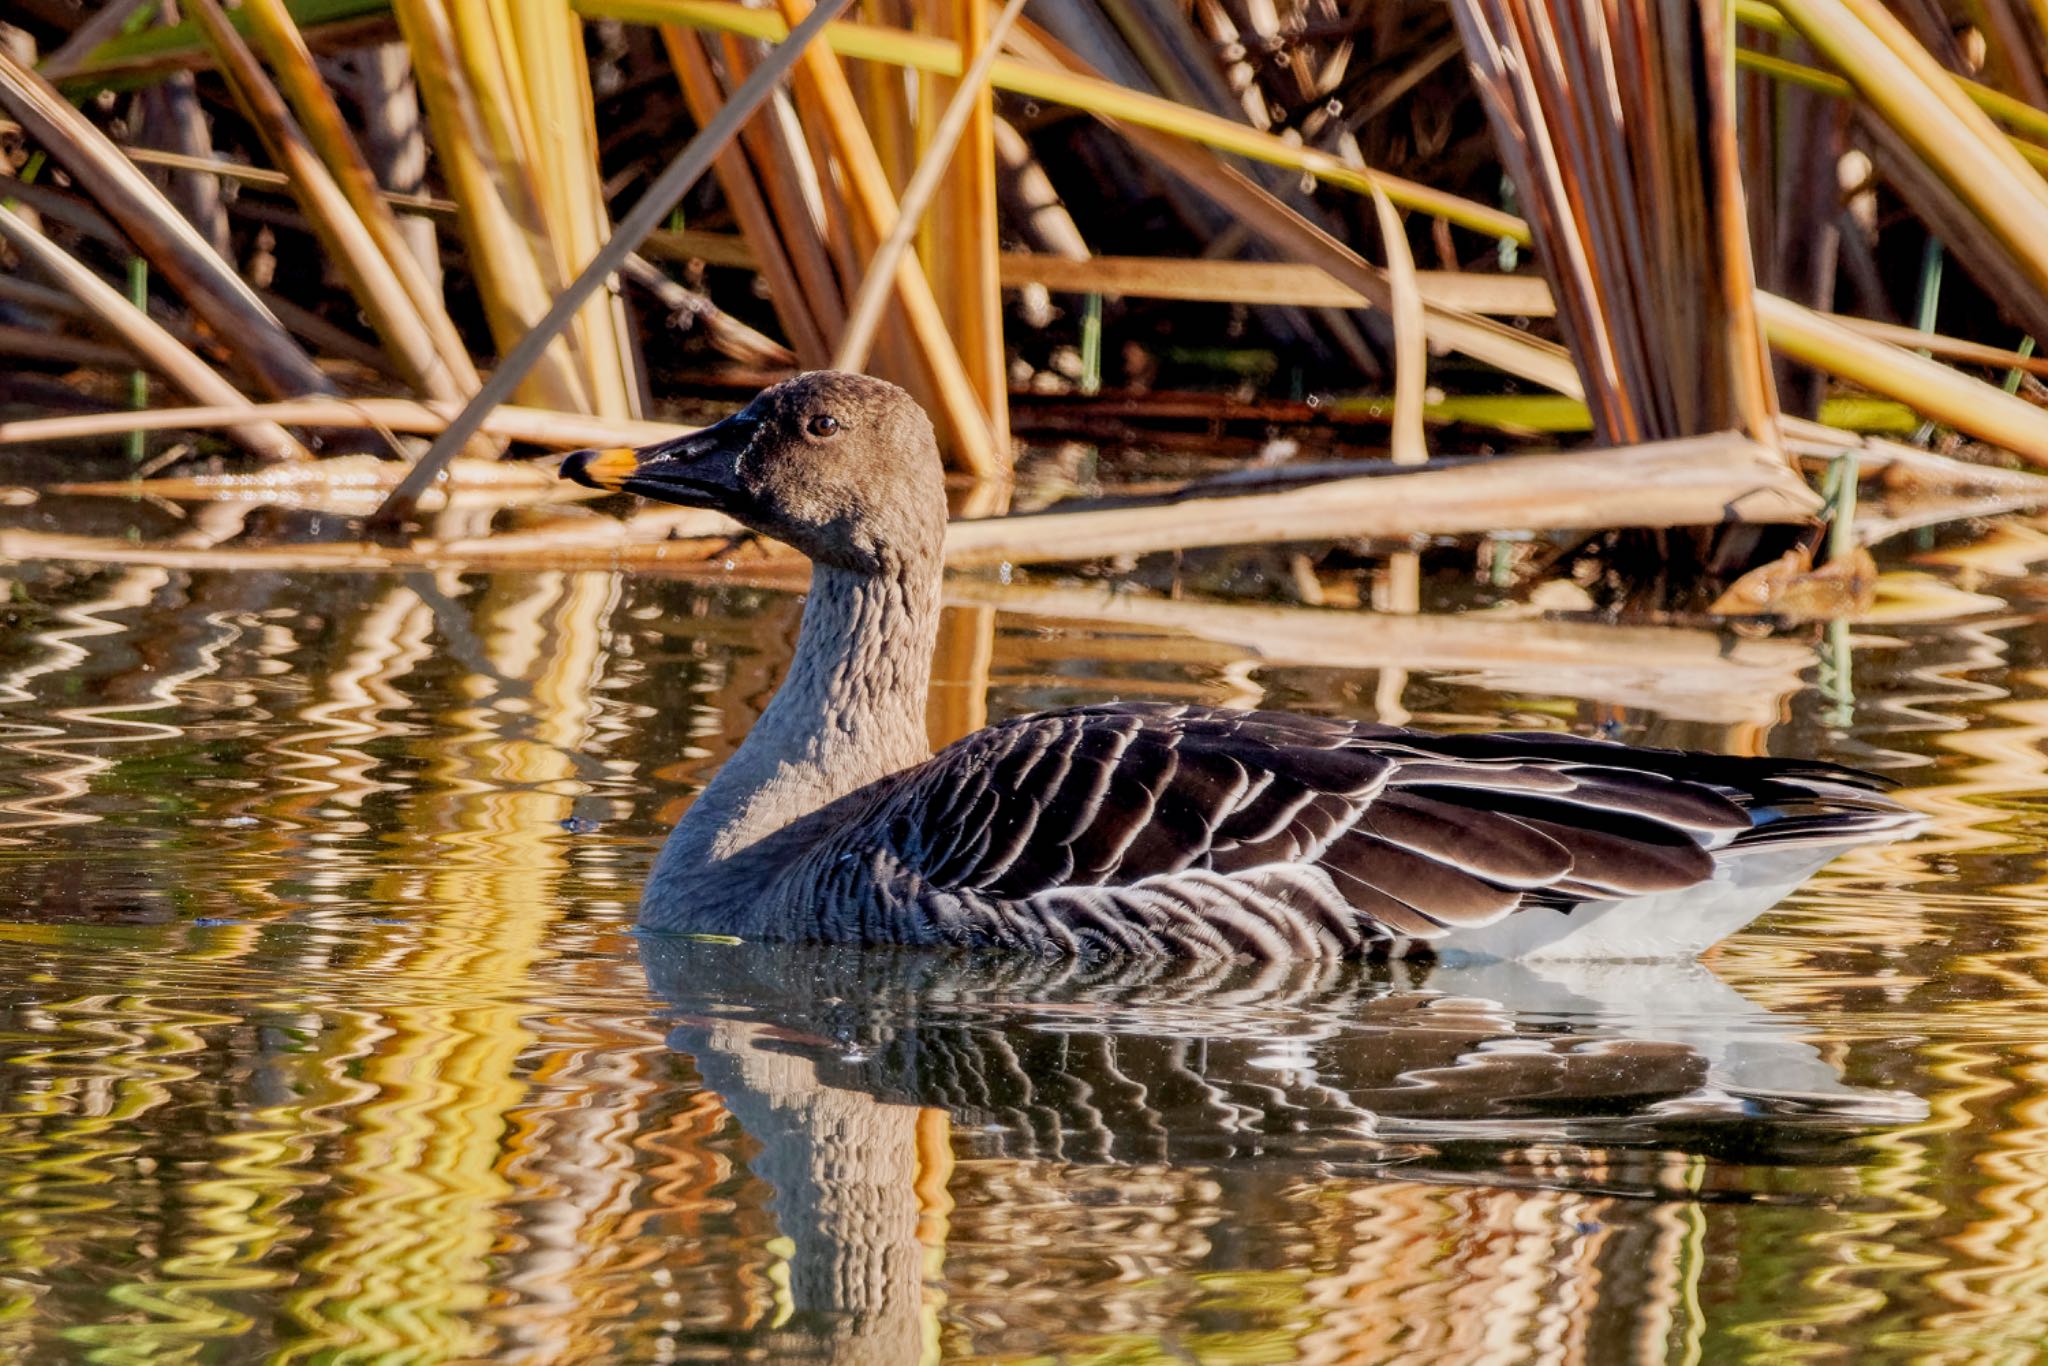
point(824, 424)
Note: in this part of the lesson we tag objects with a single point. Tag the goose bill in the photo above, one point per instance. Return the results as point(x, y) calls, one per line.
point(697, 470)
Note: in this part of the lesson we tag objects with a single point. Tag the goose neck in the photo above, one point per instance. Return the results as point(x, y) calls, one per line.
point(850, 712)
point(856, 688)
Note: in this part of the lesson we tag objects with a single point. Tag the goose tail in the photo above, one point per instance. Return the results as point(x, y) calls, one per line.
point(1825, 806)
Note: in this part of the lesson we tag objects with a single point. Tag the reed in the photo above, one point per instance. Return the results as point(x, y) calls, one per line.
point(1699, 193)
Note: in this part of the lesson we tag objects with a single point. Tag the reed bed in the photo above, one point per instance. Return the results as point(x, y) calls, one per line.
point(315, 227)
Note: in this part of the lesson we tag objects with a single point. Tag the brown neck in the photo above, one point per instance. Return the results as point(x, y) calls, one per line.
point(851, 711)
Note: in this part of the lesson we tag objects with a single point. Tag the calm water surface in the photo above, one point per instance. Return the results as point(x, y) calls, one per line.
point(323, 1036)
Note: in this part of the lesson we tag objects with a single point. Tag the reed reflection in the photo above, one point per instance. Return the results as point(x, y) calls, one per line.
point(321, 1037)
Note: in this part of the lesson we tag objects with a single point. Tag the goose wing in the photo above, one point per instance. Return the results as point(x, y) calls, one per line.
point(1413, 834)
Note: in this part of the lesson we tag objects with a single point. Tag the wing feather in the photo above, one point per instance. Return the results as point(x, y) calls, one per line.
point(1110, 828)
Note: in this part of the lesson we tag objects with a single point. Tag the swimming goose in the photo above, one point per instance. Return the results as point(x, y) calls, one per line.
point(1142, 828)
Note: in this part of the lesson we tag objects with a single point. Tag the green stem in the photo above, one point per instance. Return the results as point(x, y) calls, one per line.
point(1842, 472)
point(1838, 683)
point(2015, 375)
point(138, 379)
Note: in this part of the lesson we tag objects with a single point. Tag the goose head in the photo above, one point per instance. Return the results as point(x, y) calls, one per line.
point(842, 467)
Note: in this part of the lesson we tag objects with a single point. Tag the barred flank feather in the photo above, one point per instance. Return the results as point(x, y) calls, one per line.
point(1142, 828)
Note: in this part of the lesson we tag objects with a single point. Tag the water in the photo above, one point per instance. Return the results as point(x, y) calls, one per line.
point(323, 1036)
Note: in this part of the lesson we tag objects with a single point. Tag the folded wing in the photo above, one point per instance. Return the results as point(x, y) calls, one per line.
point(1286, 834)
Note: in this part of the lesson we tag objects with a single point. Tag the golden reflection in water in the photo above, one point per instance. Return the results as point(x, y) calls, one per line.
point(320, 1034)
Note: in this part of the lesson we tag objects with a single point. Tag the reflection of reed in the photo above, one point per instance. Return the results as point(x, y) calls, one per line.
point(116, 1059)
point(459, 1136)
point(1971, 732)
point(410, 1260)
point(570, 1161)
point(960, 673)
point(352, 705)
point(66, 764)
point(1679, 672)
point(1427, 1274)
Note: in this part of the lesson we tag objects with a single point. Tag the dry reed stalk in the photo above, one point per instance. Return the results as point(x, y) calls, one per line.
point(1618, 127)
point(1287, 282)
point(688, 307)
point(340, 483)
point(393, 310)
point(43, 299)
point(1793, 333)
point(1699, 481)
point(1902, 84)
point(269, 179)
point(34, 343)
point(799, 123)
point(1266, 282)
point(171, 117)
point(560, 131)
point(1103, 98)
point(893, 119)
point(1288, 232)
point(330, 341)
point(2020, 117)
point(102, 24)
point(1948, 348)
point(273, 30)
point(165, 353)
point(796, 198)
point(213, 288)
point(712, 248)
point(331, 26)
point(538, 426)
point(494, 202)
point(393, 135)
point(1957, 226)
point(970, 95)
point(1031, 202)
point(337, 20)
point(765, 250)
point(961, 418)
point(659, 199)
point(961, 242)
point(1408, 445)
point(1969, 405)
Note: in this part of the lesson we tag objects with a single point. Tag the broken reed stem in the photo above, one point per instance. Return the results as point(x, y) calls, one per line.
point(877, 285)
point(1408, 445)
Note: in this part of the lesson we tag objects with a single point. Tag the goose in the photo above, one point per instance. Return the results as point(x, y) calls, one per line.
point(1151, 829)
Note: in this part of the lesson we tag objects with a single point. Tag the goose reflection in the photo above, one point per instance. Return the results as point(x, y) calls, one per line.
point(835, 1059)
